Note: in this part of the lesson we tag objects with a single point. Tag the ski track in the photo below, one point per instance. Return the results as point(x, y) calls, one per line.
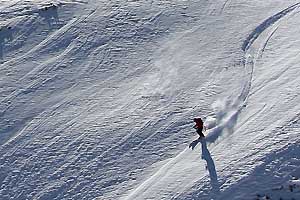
point(106, 135)
point(225, 4)
point(257, 54)
point(242, 101)
point(266, 24)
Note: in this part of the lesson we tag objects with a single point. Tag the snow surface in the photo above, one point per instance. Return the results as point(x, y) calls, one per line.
point(97, 99)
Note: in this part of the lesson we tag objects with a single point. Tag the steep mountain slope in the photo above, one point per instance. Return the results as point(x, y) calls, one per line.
point(97, 99)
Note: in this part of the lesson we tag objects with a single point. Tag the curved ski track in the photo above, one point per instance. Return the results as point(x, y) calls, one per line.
point(81, 144)
point(262, 34)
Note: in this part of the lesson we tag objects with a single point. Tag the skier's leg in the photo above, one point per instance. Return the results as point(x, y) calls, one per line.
point(199, 131)
point(201, 134)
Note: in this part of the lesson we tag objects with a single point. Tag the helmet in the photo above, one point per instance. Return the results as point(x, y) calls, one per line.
point(197, 119)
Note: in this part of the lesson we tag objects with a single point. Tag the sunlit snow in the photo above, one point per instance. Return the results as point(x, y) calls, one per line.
point(97, 99)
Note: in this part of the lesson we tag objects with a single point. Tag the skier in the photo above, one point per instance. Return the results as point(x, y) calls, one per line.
point(199, 126)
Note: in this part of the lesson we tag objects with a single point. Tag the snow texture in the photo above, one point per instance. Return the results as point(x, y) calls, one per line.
point(97, 99)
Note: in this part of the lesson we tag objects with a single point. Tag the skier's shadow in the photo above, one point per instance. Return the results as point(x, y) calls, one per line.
point(210, 163)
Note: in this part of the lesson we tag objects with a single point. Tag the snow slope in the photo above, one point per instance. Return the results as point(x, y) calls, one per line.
point(97, 99)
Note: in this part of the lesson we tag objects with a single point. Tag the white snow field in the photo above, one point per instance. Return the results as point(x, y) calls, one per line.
point(97, 99)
